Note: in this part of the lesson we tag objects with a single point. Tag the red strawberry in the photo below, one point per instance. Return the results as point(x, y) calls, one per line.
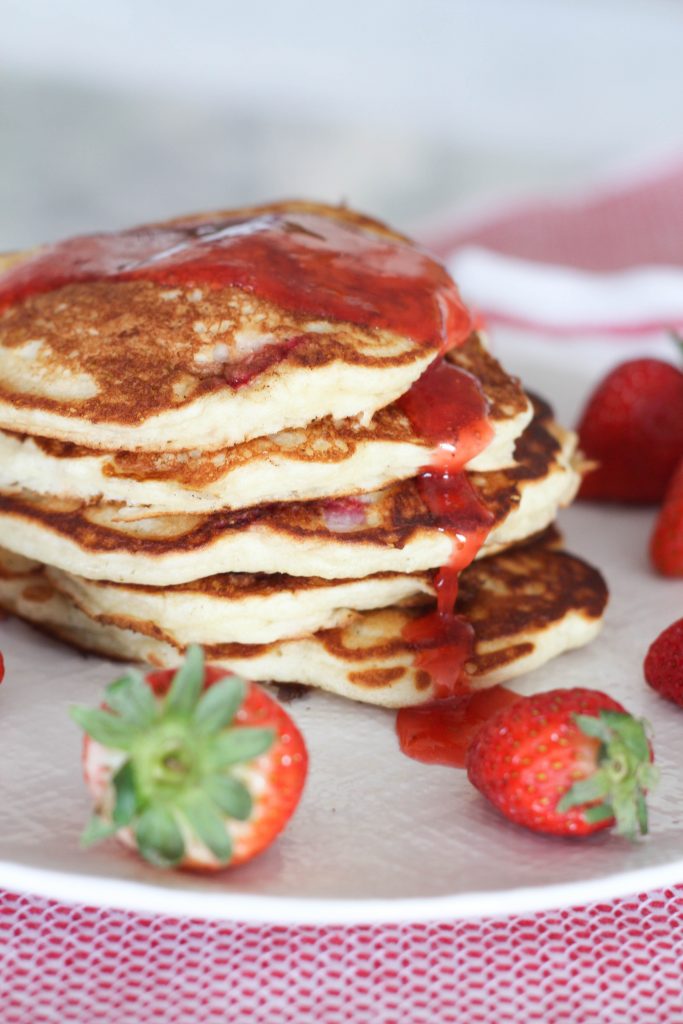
point(666, 545)
point(633, 427)
point(664, 663)
point(194, 768)
point(568, 762)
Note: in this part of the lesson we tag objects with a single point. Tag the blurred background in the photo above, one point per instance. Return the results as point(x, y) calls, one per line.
point(420, 112)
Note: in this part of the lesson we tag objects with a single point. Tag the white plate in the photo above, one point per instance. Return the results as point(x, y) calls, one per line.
point(378, 837)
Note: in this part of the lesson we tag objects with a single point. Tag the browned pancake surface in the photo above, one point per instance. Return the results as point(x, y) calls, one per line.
point(325, 441)
point(389, 517)
point(523, 591)
point(139, 341)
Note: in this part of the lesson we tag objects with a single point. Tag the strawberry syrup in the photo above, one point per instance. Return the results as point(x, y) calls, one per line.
point(447, 408)
point(441, 732)
point(311, 265)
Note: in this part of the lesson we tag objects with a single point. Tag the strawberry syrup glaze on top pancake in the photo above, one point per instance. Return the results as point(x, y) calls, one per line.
point(201, 331)
point(317, 265)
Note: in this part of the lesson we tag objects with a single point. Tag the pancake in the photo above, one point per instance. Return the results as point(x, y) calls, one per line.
point(211, 330)
point(526, 607)
point(236, 607)
point(391, 530)
point(327, 458)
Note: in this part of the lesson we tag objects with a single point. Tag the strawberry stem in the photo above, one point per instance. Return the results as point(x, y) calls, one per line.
point(175, 781)
point(624, 773)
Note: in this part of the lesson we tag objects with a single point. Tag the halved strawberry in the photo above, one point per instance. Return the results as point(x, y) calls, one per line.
point(194, 768)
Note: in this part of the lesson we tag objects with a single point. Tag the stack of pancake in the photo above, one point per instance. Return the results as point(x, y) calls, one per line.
point(273, 432)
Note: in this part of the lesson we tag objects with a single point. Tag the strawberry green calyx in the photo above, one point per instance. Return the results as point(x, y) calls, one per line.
point(624, 773)
point(178, 776)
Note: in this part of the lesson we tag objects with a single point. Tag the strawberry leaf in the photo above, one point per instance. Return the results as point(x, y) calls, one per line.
point(106, 728)
point(206, 820)
point(240, 744)
point(187, 684)
point(624, 810)
point(159, 838)
point(219, 705)
point(126, 795)
point(641, 812)
point(624, 774)
point(231, 795)
point(594, 727)
point(601, 812)
point(96, 830)
point(595, 787)
point(132, 699)
point(631, 731)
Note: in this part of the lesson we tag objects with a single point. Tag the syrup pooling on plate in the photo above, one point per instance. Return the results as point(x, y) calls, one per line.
point(313, 265)
point(441, 733)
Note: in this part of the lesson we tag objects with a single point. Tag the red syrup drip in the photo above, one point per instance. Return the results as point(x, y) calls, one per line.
point(442, 645)
point(448, 409)
point(443, 641)
point(456, 510)
point(441, 732)
point(308, 264)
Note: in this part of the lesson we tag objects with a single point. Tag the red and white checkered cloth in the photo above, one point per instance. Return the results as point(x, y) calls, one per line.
point(618, 962)
point(612, 264)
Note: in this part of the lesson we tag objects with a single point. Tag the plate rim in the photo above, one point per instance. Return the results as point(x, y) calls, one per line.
point(252, 908)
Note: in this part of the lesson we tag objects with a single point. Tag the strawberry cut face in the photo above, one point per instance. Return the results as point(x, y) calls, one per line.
point(194, 768)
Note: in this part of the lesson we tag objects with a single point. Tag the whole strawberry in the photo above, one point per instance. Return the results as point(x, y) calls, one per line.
point(632, 427)
point(567, 762)
point(664, 663)
point(666, 545)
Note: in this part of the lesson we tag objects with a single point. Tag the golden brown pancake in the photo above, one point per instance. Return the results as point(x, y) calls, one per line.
point(139, 364)
point(236, 607)
point(526, 607)
point(327, 458)
point(389, 531)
